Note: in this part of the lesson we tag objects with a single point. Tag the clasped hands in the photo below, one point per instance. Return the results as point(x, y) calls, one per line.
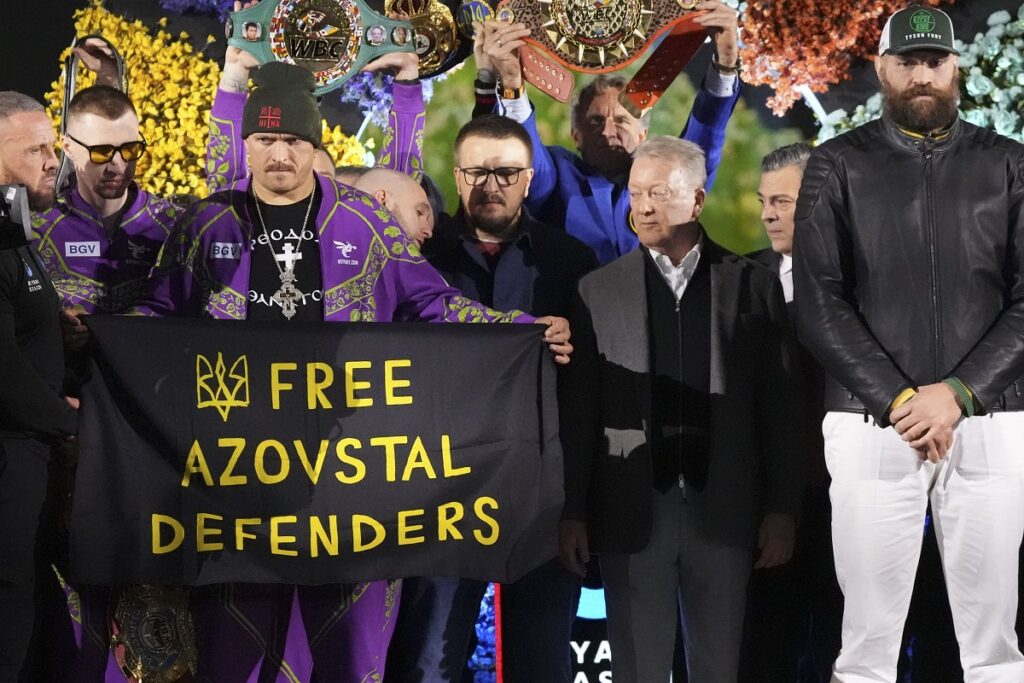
point(927, 420)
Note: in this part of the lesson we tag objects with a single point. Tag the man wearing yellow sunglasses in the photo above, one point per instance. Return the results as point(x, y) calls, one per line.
point(102, 236)
point(98, 243)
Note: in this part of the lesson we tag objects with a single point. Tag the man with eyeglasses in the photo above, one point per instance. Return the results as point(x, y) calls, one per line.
point(101, 239)
point(494, 252)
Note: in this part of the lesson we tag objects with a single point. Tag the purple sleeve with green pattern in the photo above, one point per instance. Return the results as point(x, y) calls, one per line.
point(402, 149)
point(225, 149)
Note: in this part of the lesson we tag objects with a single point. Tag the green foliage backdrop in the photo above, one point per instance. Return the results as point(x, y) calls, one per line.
point(732, 211)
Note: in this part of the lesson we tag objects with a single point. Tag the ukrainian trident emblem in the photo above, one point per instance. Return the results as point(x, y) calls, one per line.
point(220, 387)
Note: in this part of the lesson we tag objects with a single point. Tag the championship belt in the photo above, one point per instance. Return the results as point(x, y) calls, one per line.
point(600, 36)
point(438, 39)
point(331, 38)
point(152, 635)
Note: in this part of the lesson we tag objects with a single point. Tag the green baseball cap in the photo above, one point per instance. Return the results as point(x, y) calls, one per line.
point(917, 28)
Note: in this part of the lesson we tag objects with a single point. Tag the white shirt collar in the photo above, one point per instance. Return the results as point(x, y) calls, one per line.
point(787, 264)
point(688, 265)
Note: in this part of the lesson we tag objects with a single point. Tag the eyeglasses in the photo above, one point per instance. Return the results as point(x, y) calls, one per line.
point(505, 176)
point(102, 154)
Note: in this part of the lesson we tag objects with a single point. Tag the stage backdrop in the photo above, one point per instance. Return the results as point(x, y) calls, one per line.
point(216, 451)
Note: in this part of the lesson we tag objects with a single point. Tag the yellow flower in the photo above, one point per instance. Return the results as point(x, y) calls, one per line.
point(172, 88)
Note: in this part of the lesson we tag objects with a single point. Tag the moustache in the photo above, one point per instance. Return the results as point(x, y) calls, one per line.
point(279, 167)
point(921, 90)
point(494, 198)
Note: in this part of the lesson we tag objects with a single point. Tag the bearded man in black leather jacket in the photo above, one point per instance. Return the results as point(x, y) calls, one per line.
point(909, 288)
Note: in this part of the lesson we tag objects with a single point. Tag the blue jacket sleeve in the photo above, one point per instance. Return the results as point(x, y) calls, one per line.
point(706, 126)
point(545, 175)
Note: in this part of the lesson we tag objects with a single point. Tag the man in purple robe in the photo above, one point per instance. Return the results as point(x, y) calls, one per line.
point(99, 242)
point(289, 244)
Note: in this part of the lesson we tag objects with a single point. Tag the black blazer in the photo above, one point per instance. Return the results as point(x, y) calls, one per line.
point(537, 274)
point(812, 391)
point(754, 465)
point(768, 258)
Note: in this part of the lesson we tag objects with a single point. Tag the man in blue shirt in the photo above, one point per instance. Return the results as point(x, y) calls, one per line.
point(586, 193)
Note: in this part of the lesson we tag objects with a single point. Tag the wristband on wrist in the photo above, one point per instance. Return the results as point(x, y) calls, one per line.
point(725, 70)
point(963, 393)
point(509, 93)
point(902, 397)
point(483, 88)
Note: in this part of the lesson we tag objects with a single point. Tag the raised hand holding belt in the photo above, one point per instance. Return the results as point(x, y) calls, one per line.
point(601, 36)
point(437, 39)
point(331, 38)
point(70, 73)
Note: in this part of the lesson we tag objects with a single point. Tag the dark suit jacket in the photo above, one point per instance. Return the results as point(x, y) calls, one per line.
point(754, 465)
point(812, 391)
point(768, 258)
point(537, 273)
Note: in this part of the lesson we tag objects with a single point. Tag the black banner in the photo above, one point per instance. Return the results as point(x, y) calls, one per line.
point(222, 451)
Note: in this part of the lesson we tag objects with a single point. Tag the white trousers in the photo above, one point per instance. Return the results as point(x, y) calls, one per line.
point(880, 491)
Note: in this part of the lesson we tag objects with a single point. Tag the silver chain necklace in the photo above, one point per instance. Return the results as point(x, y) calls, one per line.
point(288, 296)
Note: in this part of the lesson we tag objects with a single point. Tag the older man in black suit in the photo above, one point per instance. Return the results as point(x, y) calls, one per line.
point(681, 463)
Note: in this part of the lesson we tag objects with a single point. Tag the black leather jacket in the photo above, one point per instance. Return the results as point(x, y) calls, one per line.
point(908, 265)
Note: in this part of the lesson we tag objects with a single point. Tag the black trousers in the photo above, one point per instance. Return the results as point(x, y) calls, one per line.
point(435, 629)
point(794, 617)
point(26, 547)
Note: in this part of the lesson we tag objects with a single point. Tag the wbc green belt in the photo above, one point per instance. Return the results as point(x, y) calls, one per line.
point(331, 38)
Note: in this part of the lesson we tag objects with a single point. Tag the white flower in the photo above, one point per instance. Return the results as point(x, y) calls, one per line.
point(1005, 122)
point(979, 85)
point(978, 117)
point(998, 18)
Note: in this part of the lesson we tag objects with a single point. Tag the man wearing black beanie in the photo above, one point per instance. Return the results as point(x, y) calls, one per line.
point(288, 244)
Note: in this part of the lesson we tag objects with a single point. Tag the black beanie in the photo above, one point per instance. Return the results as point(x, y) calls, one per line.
point(282, 102)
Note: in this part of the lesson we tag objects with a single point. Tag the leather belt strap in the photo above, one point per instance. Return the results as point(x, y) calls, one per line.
point(661, 68)
point(547, 75)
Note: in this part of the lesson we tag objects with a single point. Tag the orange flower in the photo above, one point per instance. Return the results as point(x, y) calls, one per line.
point(790, 43)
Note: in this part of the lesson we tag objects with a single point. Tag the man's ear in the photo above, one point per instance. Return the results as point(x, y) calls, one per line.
point(528, 179)
point(576, 137)
point(381, 196)
point(698, 202)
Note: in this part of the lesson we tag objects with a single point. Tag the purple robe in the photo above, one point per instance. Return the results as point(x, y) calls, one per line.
point(371, 271)
point(101, 272)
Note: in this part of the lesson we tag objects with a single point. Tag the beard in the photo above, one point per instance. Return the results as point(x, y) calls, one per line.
point(908, 110)
point(112, 186)
point(493, 220)
point(41, 195)
point(40, 198)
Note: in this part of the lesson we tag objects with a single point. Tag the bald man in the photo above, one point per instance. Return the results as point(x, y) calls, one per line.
point(402, 196)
